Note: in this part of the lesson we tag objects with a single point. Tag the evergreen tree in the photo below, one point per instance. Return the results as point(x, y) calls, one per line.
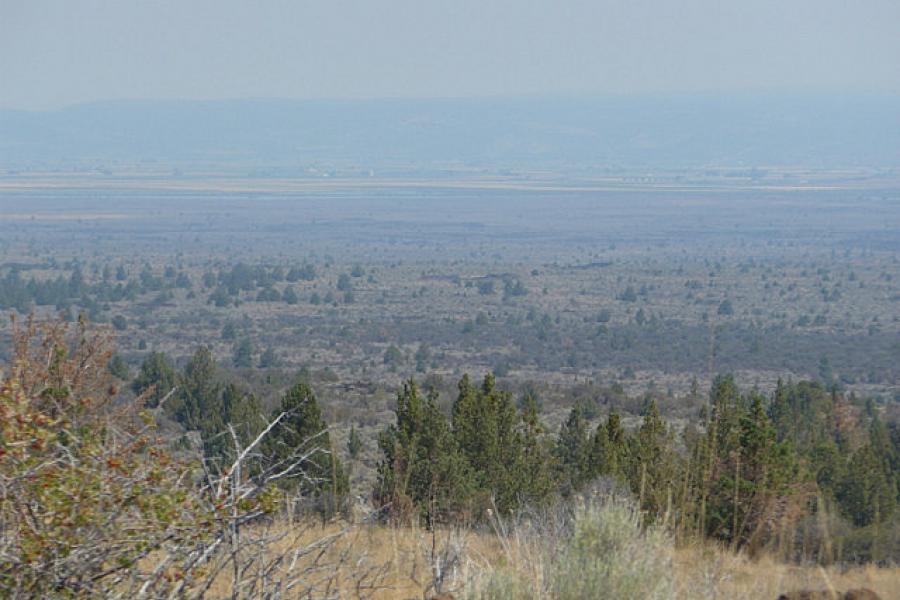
point(608, 448)
point(485, 425)
point(198, 396)
point(157, 371)
point(573, 452)
point(422, 471)
point(804, 413)
point(290, 295)
point(243, 413)
point(243, 354)
point(449, 482)
point(536, 473)
point(268, 359)
point(118, 367)
point(762, 470)
point(738, 468)
point(653, 466)
point(302, 432)
point(867, 494)
point(720, 421)
point(229, 332)
point(396, 487)
point(354, 443)
point(869, 491)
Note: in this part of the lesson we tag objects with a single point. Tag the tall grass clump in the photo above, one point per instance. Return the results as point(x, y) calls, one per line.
point(598, 549)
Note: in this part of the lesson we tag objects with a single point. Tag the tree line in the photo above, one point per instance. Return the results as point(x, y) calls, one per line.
point(752, 471)
point(196, 398)
point(747, 474)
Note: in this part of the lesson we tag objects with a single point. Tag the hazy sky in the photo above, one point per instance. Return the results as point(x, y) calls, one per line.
point(57, 52)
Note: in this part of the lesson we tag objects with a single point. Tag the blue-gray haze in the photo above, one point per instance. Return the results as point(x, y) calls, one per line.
point(59, 52)
point(496, 83)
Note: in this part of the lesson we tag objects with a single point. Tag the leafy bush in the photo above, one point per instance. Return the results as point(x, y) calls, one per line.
point(92, 505)
point(86, 490)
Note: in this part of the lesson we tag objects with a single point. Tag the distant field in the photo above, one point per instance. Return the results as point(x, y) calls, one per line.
point(647, 281)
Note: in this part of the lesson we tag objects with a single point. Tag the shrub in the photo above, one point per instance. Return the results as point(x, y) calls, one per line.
point(597, 550)
point(93, 506)
point(86, 491)
point(609, 554)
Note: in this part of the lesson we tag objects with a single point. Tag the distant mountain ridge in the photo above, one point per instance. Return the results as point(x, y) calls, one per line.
point(496, 133)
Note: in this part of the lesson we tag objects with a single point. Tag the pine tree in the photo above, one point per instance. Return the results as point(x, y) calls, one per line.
point(243, 354)
point(763, 469)
point(268, 359)
point(156, 370)
point(199, 391)
point(572, 452)
point(422, 471)
point(536, 473)
point(485, 425)
point(653, 469)
point(354, 443)
point(869, 492)
point(302, 432)
point(243, 413)
point(608, 448)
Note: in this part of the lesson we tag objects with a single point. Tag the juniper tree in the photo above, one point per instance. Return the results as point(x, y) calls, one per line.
point(243, 354)
point(653, 464)
point(243, 413)
point(485, 425)
point(536, 470)
point(573, 452)
point(354, 443)
point(449, 481)
point(749, 477)
point(504, 471)
point(268, 359)
point(720, 438)
point(118, 367)
point(739, 465)
point(198, 391)
point(803, 412)
point(396, 488)
point(422, 471)
point(608, 448)
point(290, 295)
point(302, 432)
point(868, 493)
point(157, 371)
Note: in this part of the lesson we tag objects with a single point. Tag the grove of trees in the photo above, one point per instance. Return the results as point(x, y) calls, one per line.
point(748, 474)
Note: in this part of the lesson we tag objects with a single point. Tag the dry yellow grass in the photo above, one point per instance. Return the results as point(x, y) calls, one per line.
point(372, 561)
point(382, 562)
point(710, 572)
